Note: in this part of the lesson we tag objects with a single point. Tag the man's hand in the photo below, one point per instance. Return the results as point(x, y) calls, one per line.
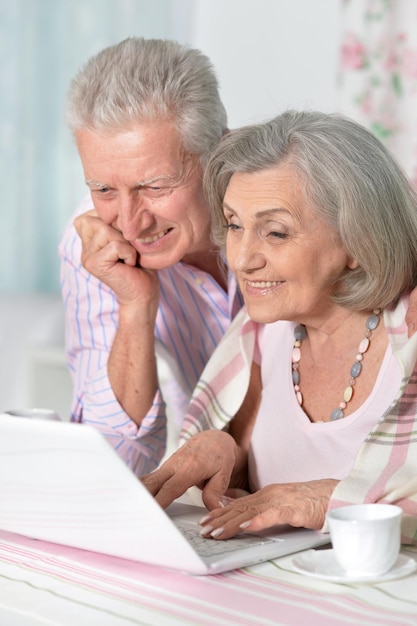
point(206, 460)
point(109, 257)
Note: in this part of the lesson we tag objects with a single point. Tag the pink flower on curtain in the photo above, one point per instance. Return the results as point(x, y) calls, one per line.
point(378, 72)
point(391, 60)
point(366, 105)
point(353, 53)
point(409, 63)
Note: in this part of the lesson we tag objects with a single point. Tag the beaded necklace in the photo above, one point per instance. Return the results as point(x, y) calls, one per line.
point(300, 334)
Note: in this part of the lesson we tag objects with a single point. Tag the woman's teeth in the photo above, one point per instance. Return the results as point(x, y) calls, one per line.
point(264, 284)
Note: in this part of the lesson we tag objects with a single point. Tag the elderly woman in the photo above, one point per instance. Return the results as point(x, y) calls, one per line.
point(320, 227)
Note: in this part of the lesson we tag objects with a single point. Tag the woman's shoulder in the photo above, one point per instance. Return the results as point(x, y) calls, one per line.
point(395, 317)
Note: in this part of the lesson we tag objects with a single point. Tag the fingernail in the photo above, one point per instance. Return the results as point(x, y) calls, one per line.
point(217, 532)
point(204, 519)
point(244, 525)
point(226, 500)
point(206, 530)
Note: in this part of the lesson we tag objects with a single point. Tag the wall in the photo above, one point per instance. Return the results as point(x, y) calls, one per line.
point(270, 54)
point(33, 371)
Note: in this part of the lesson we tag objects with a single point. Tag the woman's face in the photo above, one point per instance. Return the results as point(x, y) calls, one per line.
point(286, 259)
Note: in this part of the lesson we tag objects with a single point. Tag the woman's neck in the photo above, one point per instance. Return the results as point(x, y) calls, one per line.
point(326, 356)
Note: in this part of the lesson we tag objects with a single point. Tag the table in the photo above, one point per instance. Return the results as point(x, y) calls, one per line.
point(47, 584)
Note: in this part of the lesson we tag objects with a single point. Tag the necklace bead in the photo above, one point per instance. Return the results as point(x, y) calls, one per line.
point(300, 334)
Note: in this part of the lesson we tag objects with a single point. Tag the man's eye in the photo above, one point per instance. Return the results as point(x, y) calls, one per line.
point(104, 190)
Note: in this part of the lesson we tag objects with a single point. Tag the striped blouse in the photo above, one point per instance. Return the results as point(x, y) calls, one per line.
point(193, 314)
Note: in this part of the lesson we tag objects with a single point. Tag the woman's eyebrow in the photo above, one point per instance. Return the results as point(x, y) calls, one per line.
point(263, 213)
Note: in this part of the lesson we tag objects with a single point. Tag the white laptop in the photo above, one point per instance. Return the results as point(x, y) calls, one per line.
point(62, 482)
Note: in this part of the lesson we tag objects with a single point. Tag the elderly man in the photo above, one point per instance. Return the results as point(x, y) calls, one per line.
point(140, 275)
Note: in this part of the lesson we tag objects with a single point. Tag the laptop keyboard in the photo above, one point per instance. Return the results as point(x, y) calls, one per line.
point(212, 547)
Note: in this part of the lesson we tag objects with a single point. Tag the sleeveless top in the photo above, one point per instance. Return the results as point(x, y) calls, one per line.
point(285, 445)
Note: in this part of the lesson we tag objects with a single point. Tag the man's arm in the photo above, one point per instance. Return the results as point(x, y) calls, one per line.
point(92, 323)
point(132, 363)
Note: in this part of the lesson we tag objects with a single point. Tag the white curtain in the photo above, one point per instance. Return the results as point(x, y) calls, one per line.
point(42, 45)
point(378, 79)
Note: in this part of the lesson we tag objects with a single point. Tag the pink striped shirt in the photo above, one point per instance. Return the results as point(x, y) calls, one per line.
point(194, 313)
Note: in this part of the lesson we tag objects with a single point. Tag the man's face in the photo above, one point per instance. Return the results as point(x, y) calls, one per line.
point(146, 186)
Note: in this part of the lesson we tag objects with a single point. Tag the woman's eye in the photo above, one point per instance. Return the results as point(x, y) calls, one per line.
point(277, 234)
point(232, 227)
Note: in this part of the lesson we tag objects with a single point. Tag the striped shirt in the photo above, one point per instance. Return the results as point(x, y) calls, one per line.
point(194, 312)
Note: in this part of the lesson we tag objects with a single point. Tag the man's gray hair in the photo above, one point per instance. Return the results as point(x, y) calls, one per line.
point(139, 80)
point(350, 180)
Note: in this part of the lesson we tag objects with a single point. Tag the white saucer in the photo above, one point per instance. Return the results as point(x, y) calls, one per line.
point(322, 564)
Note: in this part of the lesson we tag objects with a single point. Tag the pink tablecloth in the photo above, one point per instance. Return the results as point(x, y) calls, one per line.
point(43, 583)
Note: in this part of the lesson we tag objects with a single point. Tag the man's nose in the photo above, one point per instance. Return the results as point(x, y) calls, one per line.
point(133, 217)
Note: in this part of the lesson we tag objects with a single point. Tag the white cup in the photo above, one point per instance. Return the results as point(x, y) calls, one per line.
point(366, 538)
point(43, 414)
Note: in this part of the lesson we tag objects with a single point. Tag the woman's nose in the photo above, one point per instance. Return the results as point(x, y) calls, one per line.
point(247, 255)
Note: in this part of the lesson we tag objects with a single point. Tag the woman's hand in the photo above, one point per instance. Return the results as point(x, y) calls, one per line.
point(297, 504)
point(206, 460)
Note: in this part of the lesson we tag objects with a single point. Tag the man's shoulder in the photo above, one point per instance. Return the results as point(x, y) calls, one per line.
point(70, 244)
point(86, 204)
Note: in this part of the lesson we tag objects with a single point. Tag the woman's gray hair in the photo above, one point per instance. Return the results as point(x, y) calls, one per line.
point(140, 80)
point(351, 181)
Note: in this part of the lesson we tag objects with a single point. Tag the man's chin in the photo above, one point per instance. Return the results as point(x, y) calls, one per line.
point(154, 263)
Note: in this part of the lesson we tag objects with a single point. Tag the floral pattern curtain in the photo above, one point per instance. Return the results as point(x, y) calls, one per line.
point(378, 79)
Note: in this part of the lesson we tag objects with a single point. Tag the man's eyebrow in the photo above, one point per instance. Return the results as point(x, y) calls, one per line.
point(142, 183)
point(94, 183)
point(150, 181)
